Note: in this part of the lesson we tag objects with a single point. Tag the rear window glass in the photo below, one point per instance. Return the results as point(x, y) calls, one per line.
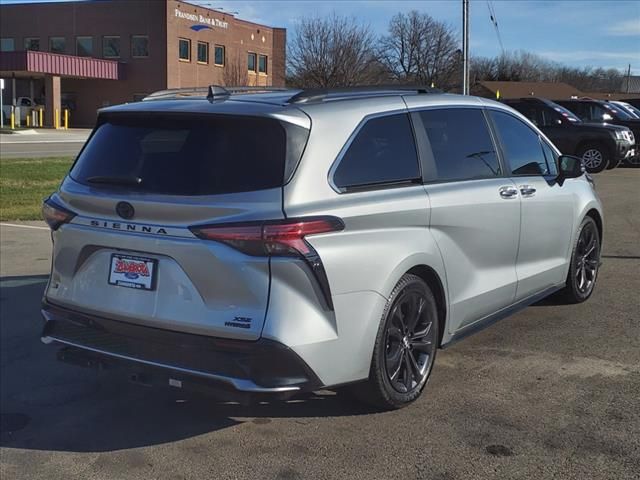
point(185, 156)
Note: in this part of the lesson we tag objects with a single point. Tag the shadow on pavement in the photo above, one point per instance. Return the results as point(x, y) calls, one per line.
point(48, 405)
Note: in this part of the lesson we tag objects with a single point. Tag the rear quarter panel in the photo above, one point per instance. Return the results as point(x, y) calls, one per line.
point(386, 233)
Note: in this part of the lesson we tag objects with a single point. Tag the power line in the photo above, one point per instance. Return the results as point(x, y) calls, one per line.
point(494, 21)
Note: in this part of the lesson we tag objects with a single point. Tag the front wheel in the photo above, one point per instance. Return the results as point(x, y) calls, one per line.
point(405, 346)
point(585, 262)
point(594, 157)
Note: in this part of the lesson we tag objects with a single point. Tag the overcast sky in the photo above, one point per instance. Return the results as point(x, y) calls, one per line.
point(577, 33)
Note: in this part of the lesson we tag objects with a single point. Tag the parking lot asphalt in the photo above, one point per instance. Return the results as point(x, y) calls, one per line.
point(43, 143)
point(552, 392)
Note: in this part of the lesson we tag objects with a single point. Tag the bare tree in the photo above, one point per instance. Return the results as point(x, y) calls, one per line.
point(482, 68)
point(524, 66)
point(235, 72)
point(420, 49)
point(331, 52)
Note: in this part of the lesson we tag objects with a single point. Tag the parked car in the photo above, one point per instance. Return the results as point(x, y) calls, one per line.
point(273, 243)
point(599, 111)
point(24, 105)
point(600, 145)
point(627, 107)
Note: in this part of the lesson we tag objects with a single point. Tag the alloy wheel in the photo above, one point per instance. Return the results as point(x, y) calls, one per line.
point(409, 341)
point(592, 158)
point(587, 259)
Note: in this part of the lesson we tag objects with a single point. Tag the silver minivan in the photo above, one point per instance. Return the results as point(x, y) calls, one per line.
point(275, 242)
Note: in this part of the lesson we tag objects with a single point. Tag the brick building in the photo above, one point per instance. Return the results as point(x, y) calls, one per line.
point(84, 55)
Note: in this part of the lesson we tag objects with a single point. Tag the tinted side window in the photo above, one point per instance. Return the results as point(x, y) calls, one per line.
point(461, 144)
point(521, 145)
point(550, 118)
point(383, 151)
point(576, 108)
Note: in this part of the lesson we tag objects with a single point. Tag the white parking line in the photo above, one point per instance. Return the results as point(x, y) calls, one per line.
point(23, 226)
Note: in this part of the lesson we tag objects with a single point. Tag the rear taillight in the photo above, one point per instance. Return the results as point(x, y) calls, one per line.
point(55, 215)
point(282, 238)
point(279, 238)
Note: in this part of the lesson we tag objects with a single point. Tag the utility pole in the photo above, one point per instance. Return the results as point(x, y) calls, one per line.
point(465, 47)
point(628, 78)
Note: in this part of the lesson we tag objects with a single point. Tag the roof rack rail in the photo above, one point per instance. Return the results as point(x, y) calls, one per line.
point(174, 93)
point(211, 93)
point(321, 94)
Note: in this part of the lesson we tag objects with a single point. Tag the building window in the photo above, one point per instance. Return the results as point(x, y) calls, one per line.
point(57, 45)
point(111, 47)
point(203, 52)
point(84, 46)
point(219, 56)
point(7, 45)
point(251, 62)
point(32, 44)
point(184, 49)
point(139, 46)
point(262, 64)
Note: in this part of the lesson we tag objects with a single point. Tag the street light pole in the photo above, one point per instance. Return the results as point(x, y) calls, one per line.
point(465, 47)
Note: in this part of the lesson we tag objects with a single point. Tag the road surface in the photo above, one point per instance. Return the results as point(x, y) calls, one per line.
point(49, 143)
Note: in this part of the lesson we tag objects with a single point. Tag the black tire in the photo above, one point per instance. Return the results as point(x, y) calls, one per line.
point(589, 153)
point(408, 327)
point(584, 264)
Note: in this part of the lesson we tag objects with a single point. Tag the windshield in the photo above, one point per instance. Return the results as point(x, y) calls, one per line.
point(186, 155)
point(565, 113)
point(630, 109)
point(617, 112)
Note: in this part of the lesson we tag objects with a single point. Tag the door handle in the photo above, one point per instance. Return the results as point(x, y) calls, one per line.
point(508, 192)
point(527, 190)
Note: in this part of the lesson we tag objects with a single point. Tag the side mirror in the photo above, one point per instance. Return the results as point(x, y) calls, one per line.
point(569, 167)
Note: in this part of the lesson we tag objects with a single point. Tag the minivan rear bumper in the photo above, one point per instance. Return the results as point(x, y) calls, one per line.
point(261, 367)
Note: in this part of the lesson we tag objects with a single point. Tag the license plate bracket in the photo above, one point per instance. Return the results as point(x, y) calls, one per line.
point(132, 271)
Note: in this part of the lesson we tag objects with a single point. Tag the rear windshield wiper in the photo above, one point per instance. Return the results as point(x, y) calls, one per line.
point(115, 180)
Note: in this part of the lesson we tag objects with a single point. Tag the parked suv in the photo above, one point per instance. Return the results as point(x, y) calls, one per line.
point(600, 145)
point(278, 242)
point(599, 111)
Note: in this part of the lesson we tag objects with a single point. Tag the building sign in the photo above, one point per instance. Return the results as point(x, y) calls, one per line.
point(205, 22)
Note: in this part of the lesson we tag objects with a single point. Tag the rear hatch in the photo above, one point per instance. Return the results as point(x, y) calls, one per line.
point(137, 189)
